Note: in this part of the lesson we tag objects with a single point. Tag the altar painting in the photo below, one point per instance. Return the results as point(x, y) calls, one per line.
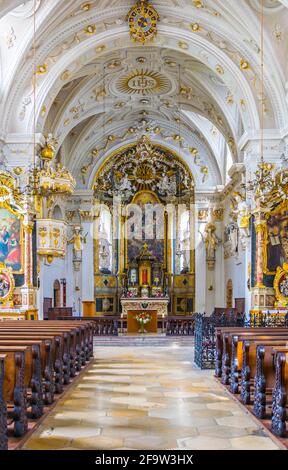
point(155, 247)
point(276, 240)
point(152, 237)
point(10, 240)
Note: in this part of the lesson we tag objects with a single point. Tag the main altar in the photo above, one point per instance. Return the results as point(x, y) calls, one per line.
point(144, 250)
point(145, 292)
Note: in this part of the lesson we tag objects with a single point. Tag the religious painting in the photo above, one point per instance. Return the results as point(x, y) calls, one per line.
point(10, 240)
point(276, 240)
point(281, 286)
point(142, 231)
point(6, 284)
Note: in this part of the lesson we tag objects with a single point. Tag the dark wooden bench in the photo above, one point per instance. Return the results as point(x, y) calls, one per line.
point(36, 359)
point(224, 347)
point(17, 376)
point(279, 404)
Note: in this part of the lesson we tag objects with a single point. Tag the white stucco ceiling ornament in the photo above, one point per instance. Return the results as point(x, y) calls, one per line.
point(143, 82)
point(27, 9)
point(270, 6)
point(97, 46)
point(77, 36)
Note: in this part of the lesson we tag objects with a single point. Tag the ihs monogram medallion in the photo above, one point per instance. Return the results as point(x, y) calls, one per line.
point(143, 19)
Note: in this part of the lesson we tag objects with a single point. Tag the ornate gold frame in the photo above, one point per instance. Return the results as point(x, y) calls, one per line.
point(278, 209)
point(281, 300)
point(6, 205)
point(130, 146)
point(168, 245)
point(9, 274)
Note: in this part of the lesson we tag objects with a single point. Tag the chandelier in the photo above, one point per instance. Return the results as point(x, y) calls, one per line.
point(48, 178)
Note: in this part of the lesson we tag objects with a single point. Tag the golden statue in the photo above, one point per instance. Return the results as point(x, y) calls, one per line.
point(78, 240)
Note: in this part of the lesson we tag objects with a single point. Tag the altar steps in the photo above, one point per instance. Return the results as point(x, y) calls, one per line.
point(146, 340)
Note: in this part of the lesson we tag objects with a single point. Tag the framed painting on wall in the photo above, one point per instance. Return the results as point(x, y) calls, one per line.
point(11, 240)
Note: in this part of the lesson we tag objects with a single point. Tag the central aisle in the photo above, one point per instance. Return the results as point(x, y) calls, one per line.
point(147, 398)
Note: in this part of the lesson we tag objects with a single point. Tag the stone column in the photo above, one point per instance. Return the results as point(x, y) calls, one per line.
point(261, 227)
point(262, 295)
point(28, 291)
point(87, 256)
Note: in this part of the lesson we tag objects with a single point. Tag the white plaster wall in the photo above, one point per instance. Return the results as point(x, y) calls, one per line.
point(49, 273)
point(235, 269)
point(200, 267)
point(88, 263)
point(219, 284)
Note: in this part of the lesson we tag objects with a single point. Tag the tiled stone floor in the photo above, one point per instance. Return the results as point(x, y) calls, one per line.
point(147, 398)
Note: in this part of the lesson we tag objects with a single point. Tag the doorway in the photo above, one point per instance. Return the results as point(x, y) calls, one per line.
point(57, 294)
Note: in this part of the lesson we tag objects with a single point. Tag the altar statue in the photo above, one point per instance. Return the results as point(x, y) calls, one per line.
point(78, 240)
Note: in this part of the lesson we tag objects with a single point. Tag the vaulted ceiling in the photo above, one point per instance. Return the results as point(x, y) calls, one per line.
point(202, 74)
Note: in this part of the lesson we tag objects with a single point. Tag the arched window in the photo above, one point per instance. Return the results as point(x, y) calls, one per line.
point(105, 242)
point(184, 241)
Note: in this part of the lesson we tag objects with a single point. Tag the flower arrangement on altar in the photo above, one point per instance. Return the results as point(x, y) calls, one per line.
point(143, 319)
point(158, 295)
point(131, 294)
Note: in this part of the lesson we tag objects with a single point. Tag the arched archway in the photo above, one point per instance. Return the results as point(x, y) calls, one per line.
point(57, 213)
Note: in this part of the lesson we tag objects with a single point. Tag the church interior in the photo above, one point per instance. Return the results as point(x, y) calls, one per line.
point(143, 225)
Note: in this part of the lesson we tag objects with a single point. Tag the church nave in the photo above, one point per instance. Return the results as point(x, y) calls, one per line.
point(143, 213)
point(148, 398)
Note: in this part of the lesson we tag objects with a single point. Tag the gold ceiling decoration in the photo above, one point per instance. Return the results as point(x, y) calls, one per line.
point(144, 82)
point(143, 20)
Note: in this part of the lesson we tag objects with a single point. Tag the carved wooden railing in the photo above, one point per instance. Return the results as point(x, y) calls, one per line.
point(112, 326)
point(180, 326)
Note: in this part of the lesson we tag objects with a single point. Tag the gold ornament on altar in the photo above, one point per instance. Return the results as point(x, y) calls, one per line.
point(281, 286)
point(143, 19)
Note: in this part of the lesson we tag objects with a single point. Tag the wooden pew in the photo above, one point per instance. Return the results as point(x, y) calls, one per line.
point(258, 374)
point(3, 406)
point(279, 405)
point(241, 357)
point(220, 331)
point(265, 376)
point(15, 381)
point(53, 369)
point(224, 352)
point(33, 353)
point(65, 352)
point(34, 377)
point(79, 348)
